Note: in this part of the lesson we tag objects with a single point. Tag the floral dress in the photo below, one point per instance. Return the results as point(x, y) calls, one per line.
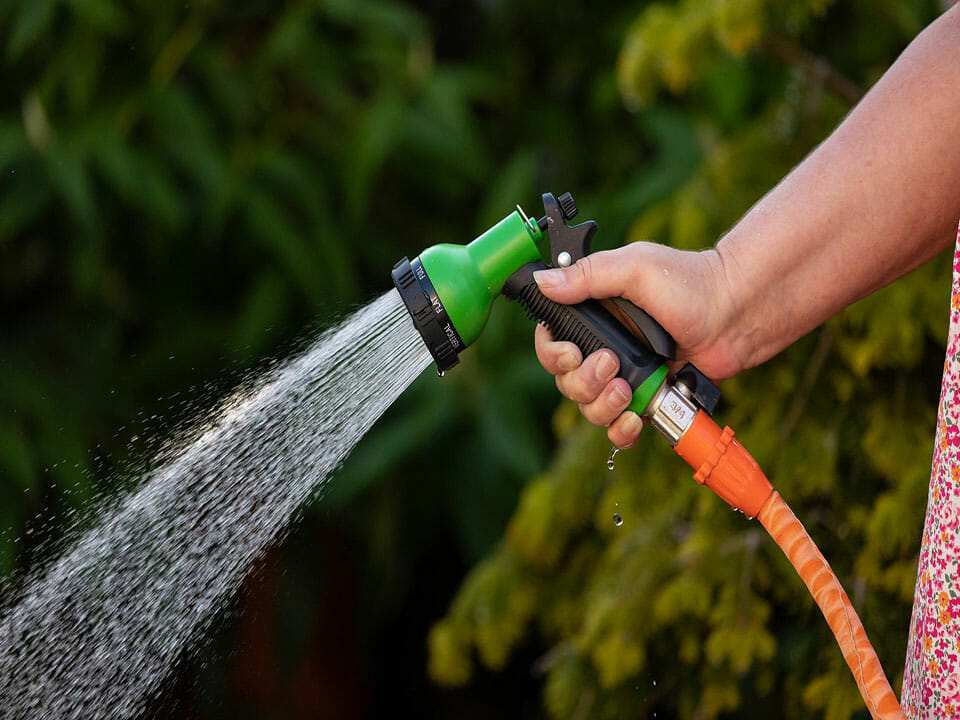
point(931, 678)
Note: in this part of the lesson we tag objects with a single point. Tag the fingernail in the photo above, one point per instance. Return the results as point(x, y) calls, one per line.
point(618, 398)
point(549, 278)
point(633, 424)
point(605, 366)
point(567, 362)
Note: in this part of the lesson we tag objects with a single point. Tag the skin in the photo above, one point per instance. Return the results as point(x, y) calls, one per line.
point(878, 198)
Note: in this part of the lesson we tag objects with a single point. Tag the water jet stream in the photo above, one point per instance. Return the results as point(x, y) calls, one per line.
point(99, 630)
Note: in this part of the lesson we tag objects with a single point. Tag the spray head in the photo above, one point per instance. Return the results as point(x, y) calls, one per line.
point(449, 290)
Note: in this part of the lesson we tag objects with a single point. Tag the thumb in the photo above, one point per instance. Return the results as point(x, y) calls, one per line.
point(599, 275)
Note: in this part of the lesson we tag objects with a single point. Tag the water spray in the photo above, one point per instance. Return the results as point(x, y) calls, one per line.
point(449, 290)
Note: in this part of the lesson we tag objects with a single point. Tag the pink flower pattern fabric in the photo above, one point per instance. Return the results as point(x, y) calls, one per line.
point(931, 678)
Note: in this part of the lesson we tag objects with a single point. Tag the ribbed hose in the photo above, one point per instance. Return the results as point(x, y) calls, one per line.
point(724, 466)
point(788, 532)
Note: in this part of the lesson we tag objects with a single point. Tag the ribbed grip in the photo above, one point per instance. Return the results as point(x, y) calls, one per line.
point(561, 321)
point(587, 324)
point(815, 571)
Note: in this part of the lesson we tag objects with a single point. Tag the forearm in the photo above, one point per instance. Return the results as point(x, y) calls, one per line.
point(878, 198)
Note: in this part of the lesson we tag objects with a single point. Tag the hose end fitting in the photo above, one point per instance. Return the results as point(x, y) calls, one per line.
point(723, 465)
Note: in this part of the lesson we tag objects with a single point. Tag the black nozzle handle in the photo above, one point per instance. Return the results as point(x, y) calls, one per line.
point(645, 327)
point(586, 324)
point(568, 244)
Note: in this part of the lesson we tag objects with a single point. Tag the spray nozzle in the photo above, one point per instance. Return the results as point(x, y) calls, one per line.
point(449, 289)
point(566, 244)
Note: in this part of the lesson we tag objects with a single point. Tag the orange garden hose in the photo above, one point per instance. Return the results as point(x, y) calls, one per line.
point(723, 465)
point(788, 532)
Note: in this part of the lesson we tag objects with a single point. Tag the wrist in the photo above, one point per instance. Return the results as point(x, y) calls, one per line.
point(734, 328)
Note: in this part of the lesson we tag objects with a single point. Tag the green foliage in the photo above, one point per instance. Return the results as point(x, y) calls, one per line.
point(686, 593)
point(674, 45)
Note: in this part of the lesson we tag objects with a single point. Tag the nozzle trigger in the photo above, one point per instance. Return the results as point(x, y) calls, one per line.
point(572, 243)
point(569, 244)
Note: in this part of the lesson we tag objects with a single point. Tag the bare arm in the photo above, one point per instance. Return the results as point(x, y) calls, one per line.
point(876, 199)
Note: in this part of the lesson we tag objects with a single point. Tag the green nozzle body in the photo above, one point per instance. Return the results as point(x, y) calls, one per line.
point(449, 289)
point(467, 278)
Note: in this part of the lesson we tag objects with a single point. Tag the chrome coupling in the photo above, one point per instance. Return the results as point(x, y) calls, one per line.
point(671, 411)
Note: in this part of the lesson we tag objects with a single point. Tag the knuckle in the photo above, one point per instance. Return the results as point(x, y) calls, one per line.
point(567, 385)
point(585, 385)
point(584, 270)
point(607, 407)
point(618, 394)
point(592, 415)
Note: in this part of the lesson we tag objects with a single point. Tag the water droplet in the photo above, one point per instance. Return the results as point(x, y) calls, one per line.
point(617, 519)
point(440, 373)
point(610, 459)
point(654, 683)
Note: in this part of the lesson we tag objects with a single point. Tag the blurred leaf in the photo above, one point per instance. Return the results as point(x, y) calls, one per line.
point(69, 175)
point(16, 463)
point(105, 15)
point(139, 180)
point(371, 143)
point(31, 21)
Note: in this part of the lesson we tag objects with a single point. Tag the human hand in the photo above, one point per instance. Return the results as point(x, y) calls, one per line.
point(688, 294)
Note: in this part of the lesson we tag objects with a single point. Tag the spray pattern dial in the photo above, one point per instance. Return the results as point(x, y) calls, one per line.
point(641, 344)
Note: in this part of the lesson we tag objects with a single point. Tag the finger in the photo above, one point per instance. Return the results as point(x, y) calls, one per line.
point(556, 357)
point(584, 384)
point(599, 275)
point(611, 402)
point(624, 431)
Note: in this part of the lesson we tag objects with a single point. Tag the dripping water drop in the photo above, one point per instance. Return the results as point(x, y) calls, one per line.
point(617, 519)
point(610, 458)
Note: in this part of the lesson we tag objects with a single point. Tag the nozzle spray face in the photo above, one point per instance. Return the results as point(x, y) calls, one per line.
point(449, 289)
point(428, 313)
